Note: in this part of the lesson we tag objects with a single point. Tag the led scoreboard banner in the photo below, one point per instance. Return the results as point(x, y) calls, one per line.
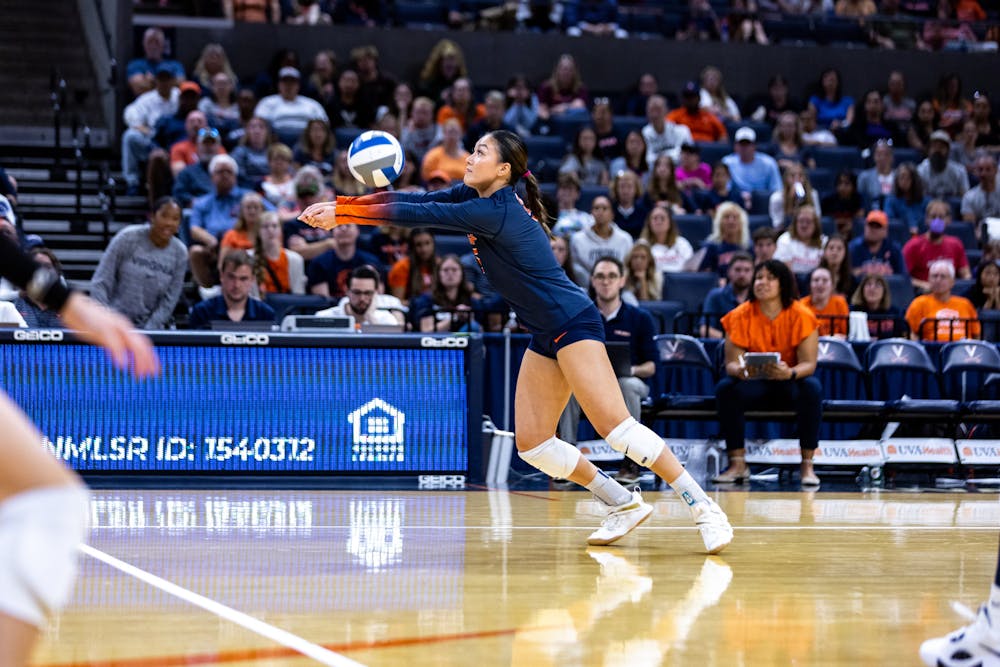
point(267, 403)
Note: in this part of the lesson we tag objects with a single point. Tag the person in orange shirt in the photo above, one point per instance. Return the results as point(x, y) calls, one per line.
point(704, 125)
point(954, 317)
point(449, 156)
point(771, 320)
point(414, 274)
point(244, 233)
point(461, 106)
point(831, 309)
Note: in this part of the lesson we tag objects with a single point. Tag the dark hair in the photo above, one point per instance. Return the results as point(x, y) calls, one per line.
point(513, 151)
point(608, 258)
point(42, 250)
point(765, 232)
point(415, 281)
point(916, 192)
point(235, 259)
point(858, 298)
point(364, 272)
point(844, 278)
point(839, 92)
point(786, 281)
point(741, 256)
point(163, 201)
point(464, 294)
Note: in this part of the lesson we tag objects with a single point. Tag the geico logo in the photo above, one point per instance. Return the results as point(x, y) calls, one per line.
point(248, 339)
point(427, 341)
point(36, 334)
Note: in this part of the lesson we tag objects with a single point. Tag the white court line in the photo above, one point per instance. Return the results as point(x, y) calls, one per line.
point(283, 637)
point(645, 528)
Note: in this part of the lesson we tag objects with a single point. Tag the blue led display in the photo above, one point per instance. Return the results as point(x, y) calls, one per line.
point(264, 408)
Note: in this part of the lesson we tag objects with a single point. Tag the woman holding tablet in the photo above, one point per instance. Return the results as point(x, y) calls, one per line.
point(772, 342)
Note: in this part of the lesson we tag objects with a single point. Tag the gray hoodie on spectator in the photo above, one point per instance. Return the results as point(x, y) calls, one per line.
point(138, 279)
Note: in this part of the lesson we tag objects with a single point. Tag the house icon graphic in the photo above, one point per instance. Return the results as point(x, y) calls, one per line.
point(377, 423)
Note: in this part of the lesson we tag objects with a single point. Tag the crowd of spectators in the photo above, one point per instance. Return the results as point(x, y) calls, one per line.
point(888, 24)
point(837, 189)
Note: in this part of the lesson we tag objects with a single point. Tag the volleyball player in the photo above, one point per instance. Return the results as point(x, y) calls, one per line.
point(566, 354)
point(975, 645)
point(43, 505)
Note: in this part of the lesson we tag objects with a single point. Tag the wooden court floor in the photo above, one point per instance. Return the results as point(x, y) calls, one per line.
point(485, 578)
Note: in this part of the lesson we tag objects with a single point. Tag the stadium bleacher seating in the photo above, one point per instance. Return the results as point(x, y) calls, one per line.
point(689, 287)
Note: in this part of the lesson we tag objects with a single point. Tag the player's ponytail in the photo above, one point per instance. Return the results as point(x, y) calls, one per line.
point(514, 152)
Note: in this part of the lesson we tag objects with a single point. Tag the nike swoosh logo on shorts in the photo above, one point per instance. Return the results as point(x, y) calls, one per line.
point(559, 337)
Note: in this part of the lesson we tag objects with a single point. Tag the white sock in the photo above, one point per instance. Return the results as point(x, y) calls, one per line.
point(995, 597)
point(608, 491)
point(689, 490)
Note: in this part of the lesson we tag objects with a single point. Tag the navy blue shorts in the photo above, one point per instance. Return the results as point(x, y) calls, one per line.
point(588, 325)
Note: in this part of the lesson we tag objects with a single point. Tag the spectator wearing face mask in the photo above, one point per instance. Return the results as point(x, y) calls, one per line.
point(922, 251)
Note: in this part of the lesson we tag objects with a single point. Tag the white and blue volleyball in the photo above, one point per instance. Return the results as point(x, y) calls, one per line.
point(375, 158)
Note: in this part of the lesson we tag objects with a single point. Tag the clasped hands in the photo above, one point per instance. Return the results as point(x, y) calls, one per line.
point(322, 215)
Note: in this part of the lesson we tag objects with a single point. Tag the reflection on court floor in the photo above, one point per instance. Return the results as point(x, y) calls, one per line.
point(504, 578)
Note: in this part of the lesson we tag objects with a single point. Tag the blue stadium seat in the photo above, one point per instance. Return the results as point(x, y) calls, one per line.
point(902, 374)
point(966, 370)
point(760, 202)
point(900, 291)
point(663, 313)
point(687, 374)
point(965, 232)
point(838, 158)
point(451, 244)
point(714, 152)
point(419, 13)
point(345, 135)
point(695, 228)
point(759, 220)
point(587, 194)
point(965, 367)
point(689, 287)
point(295, 304)
point(899, 232)
point(903, 154)
point(823, 180)
point(845, 394)
point(625, 124)
point(567, 128)
point(544, 156)
point(962, 286)
point(841, 32)
point(989, 320)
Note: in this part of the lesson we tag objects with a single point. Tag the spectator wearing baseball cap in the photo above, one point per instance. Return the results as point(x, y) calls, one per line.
point(288, 112)
point(194, 180)
point(704, 125)
point(942, 177)
point(141, 117)
point(874, 252)
point(751, 171)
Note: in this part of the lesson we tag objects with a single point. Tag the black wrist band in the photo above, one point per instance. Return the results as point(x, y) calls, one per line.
point(45, 287)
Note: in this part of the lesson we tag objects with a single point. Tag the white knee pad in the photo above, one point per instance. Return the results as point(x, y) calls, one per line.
point(554, 457)
point(39, 533)
point(636, 441)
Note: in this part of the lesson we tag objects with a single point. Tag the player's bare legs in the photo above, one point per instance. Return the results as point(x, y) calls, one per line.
point(24, 466)
point(588, 372)
point(542, 393)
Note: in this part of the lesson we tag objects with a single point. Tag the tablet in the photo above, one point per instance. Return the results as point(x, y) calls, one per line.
point(761, 358)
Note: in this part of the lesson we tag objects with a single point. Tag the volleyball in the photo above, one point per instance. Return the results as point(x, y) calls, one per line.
point(375, 158)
